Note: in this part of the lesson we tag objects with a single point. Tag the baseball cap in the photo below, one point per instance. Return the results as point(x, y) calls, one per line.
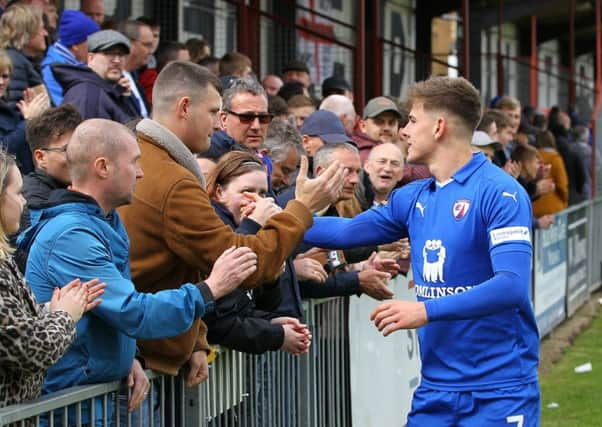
point(335, 83)
point(482, 139)
point(75, 27)
point(106, 39)
point(296, 65)
point(326, 125)
point(379, 105)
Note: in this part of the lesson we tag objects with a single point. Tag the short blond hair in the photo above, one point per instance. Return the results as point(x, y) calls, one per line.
point(6, 164)
point(18, 24)
point(5, 62)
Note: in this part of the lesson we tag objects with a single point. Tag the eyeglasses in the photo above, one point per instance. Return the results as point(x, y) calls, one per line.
point(62, 149)
point(248, 118)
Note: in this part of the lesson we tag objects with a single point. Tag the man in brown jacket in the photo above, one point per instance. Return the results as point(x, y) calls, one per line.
point(175, 234)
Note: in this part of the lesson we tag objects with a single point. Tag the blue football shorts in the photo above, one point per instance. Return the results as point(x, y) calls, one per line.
point(517, 406)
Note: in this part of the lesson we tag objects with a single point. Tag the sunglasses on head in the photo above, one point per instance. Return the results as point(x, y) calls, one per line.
point(247, 118)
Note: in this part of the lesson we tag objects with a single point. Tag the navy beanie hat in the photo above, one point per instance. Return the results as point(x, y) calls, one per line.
point(75, 27)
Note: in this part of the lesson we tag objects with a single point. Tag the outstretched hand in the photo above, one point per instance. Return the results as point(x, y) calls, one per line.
point(393, 315)
point(320, 192)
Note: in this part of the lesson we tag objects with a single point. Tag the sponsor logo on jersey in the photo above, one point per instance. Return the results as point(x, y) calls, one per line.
point(460, 209)
point(510, 234)
point(433, 254)
point(425, 291)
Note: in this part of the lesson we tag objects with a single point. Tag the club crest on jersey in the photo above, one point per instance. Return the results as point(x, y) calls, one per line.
point(460, 209)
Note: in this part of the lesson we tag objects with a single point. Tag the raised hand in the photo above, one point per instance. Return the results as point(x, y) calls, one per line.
point(230, 270)
point(322, 191)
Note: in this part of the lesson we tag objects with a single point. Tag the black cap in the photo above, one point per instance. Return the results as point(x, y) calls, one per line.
point(296, 65)
point(335, 83)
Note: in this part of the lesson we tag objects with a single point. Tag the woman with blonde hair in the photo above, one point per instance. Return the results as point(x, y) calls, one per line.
point(32, 336)
point(22, 34)
point(12, 123)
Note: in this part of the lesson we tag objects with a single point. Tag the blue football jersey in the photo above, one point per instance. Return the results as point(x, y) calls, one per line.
point(471, 257)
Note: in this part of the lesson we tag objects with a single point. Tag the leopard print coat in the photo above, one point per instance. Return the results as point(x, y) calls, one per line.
point(31, 337)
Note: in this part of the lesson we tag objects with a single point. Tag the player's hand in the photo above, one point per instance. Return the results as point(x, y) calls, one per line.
point(394, 315)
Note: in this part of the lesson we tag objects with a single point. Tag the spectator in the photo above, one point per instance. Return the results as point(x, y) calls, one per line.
point(320, 128)
point(48, 136)
point(481, 141)
point(292, 88)
point(81, 235)
point(510, 106)
point(336, 85)
point(211, 63)
point(141, 48)
point(488, 123)
point(380, 124)
point(300, 107)
point(272, 84)
point(283, 145)
point(235, 64)
point(198, 49)
point(167, 52)
point(175, 233)
point(572, 163)
point(558, 199)
point(584, 151)
point(528, 159)
point(343, 108)
point(244, 118)
point(95, 9)
point(71, 48)
point(155, 27)
point(94, 90)
point(148, 72)
point(12, 125)
point(296, 71)
point(239, 184)
point(22, 35)
point(382, 172)
point(277, 107)
point(32, 336)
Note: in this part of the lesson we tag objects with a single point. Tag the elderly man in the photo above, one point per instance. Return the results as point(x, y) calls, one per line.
point(343, 108)
point(93, 90)
point(382, 172)
point(283, 144)
point(80, 234)
point(175, 233)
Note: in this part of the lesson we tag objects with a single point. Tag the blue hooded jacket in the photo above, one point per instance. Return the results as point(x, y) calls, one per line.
point(74, 239)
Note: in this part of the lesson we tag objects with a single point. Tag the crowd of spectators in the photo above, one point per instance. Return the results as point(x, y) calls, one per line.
point(218, 160)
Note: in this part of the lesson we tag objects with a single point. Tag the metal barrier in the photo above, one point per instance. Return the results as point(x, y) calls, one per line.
point(274, 389)
point(281, 390)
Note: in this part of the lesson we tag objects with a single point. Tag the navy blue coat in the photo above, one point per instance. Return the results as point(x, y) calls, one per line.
point(12, 136)
point(92, 96)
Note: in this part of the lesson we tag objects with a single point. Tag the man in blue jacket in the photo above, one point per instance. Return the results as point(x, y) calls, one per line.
point(71, 48)
point(80, 235)
point(470, 232)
